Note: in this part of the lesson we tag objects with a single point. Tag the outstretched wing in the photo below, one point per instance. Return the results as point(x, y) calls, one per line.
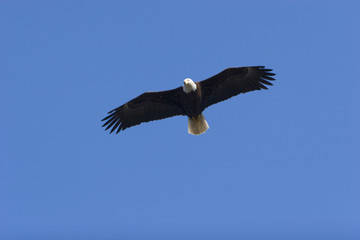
point(233, 81)
point(147, 107)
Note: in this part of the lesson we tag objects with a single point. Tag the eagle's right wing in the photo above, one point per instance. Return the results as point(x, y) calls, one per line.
point(147, 107)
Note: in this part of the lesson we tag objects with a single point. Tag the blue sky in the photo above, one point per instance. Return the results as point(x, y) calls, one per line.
point(276, 164)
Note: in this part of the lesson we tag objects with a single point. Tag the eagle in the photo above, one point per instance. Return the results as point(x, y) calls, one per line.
point(189, 100)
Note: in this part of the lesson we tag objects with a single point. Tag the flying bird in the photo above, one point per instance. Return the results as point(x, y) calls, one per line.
point(189, 100)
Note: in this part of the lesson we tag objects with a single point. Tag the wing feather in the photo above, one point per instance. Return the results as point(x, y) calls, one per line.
point(233, 81)
point(147, 107)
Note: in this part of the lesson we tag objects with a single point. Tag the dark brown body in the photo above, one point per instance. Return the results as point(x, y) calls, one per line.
point(191, 102)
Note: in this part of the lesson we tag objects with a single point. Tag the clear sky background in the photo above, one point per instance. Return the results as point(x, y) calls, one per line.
point(276, 164)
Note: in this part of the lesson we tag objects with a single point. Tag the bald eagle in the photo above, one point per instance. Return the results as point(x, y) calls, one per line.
point(189, 100)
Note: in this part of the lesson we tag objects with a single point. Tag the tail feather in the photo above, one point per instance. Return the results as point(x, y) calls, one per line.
point(197, 125)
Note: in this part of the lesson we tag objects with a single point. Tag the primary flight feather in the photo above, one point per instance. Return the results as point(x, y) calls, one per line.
point(189, 100)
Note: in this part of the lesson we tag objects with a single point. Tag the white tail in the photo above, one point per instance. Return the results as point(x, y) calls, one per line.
point(197, 125)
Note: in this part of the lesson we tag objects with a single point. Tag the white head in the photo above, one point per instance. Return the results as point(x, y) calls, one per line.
point(189, 85)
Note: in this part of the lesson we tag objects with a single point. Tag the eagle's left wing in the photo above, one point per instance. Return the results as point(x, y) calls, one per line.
point(233, 81)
